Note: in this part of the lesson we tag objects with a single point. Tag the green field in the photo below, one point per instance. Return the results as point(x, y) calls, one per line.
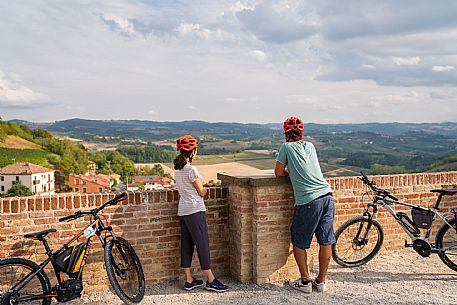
point(9, 156)
point(236, 157)
point(264, 162)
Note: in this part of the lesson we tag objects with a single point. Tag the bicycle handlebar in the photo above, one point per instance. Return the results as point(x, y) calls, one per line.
point(93, 212)
point(380, 191)
point(113, 201)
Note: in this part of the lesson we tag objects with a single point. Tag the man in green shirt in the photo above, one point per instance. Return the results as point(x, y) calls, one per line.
point(314, 207)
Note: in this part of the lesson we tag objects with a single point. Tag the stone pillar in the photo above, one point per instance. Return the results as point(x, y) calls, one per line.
point(260, 211)
point(240, 226)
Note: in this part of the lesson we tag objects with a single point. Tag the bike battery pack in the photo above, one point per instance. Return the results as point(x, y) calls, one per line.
point(77, 257)
point(408, 223)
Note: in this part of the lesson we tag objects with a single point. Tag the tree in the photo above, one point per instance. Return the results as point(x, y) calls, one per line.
point(121, 165)
point(19, 190)
point(157, 170)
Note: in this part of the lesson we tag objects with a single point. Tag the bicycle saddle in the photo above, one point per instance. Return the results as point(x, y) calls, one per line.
point(445, 191)
point(41, 234)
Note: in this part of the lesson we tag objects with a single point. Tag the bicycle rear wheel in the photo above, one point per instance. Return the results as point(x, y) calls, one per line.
point(12, 271)
point(446, 239)
point(358, 240)
point(124, 271)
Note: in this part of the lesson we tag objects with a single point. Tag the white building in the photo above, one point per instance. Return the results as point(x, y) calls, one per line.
point(40, 180)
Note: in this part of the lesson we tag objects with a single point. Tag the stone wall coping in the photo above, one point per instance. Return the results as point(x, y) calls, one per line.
point(256, 180)
point(271, 179)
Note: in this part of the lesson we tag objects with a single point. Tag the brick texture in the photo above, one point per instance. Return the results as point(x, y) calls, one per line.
point(147, 220)
point(261, 210)
point(248, 221)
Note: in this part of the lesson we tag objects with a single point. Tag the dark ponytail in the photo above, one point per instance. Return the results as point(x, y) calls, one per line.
point(181, 160)
point(294, 136)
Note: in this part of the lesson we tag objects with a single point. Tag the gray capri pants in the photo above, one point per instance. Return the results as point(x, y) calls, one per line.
point(194, 232)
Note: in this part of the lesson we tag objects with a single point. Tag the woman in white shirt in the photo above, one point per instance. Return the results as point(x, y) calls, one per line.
point(192, 216)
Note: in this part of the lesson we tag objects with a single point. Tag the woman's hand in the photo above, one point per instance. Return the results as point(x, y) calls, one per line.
point(199, 187)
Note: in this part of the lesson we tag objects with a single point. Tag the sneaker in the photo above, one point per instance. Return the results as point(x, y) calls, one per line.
point(217, 286)
point(195, 283)
point(320, 287)
point(303, 286)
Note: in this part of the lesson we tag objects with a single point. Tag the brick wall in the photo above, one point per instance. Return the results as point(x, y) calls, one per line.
point(248, 220)
point(148, 220)
point(261, 210)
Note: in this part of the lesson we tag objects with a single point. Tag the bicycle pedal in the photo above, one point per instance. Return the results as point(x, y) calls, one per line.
point(408, 245)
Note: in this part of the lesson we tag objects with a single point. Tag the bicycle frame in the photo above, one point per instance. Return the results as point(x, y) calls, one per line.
point(387, 204)
point(95, 228)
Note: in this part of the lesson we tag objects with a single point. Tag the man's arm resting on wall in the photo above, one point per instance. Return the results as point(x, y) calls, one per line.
point(280, 170)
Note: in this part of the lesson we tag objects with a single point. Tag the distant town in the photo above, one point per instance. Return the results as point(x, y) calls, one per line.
point(25, 178)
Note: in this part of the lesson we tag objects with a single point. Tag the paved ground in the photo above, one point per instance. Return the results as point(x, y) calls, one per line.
point(401, 277)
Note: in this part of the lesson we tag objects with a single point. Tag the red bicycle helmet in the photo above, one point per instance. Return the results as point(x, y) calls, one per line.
point(293, 123)
point(187, 143)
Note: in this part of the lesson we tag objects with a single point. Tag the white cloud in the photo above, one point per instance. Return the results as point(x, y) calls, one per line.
point(368, 67)
point(14, 94)
point(239, 100)
point(199, 31)
point(234, 100)
point(121, 25)
point(181, 53)
point(412, 96)
point(442, 68)
point(186, 28)
point(279, 23)
point(302, 99)
point(259, 55)
point(151, 112)
point(241, 6)
point(406, 61)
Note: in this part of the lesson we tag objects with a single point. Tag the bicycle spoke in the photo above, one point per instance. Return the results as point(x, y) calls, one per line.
point(11, 275)
point(356, 243)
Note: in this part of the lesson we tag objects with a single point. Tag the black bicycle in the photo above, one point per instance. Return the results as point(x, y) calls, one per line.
point(22, 281)
point(359, 239)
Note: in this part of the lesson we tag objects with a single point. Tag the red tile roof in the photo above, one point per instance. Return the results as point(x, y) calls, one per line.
point(152, 179)
point(99, 179)
point(24, 168)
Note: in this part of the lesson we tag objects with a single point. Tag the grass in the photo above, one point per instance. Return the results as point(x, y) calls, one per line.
point(18, 143)
point(237, 157)
point(262, 161)
point(10, 155)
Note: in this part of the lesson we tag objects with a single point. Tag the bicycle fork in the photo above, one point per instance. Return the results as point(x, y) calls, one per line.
point(362, 241)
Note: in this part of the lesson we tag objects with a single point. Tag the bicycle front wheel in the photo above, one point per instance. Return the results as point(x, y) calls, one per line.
point(12, 271)
point(124, 271)
point(446, 241)
point(358, 240)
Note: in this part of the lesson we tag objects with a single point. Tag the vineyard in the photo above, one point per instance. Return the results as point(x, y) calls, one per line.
point(10, 155)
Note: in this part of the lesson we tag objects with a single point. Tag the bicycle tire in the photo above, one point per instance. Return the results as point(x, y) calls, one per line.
point(360, 220)
point(113, 272)
point(32, 267)
point(439, 243)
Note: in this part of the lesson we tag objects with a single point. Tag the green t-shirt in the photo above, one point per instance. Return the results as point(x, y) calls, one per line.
point(304, 171)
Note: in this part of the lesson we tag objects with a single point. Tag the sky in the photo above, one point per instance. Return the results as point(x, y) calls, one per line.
point(229, 61)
